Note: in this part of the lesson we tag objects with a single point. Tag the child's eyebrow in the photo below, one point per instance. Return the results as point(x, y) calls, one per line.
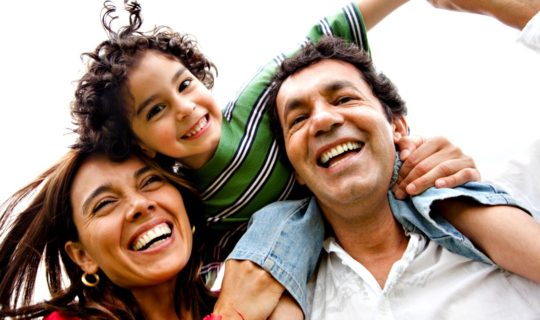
point(178, 73)
point(147, 101)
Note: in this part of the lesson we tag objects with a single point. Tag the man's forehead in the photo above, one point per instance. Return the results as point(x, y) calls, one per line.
point(324, 77)
point(326, 74)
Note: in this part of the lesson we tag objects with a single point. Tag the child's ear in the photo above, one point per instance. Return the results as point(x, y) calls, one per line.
point(401, 129)
point(80, 256)
point(147, 151)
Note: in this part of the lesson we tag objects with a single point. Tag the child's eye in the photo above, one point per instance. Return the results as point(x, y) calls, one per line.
point(154, 111)
point(184, 84)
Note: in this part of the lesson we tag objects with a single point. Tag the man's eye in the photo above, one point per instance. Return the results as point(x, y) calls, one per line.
point(297, 120)
point(343, 100)
point(154, 111)
point(184, 84)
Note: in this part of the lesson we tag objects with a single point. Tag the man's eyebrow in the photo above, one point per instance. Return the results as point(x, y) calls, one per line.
point(147, 101)
point(328, 88)
point(93, 195)
point(338, 85)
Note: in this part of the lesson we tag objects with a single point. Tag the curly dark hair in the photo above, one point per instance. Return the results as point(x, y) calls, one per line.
point(337, 49)
point(101, 107)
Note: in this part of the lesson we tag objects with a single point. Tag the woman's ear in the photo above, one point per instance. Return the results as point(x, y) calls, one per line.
point(401, 129)
point(80, 256)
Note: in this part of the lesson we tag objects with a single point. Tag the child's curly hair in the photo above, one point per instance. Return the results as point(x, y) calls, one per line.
point(101, 110)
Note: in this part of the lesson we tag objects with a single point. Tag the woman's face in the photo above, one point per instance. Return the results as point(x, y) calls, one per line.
point(132, 223)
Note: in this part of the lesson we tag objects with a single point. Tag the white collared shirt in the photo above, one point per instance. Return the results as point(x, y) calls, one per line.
point(428, 282)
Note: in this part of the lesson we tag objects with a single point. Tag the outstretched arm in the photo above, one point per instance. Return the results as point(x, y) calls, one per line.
point(514, 13)
point(374, 11)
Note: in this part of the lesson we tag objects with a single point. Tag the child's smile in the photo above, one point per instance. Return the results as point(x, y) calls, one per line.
point(174, 113)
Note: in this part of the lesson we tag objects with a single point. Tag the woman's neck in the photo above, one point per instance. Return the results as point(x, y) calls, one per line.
point(158, 302)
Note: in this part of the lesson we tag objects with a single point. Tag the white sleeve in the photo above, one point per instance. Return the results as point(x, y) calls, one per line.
point(530, 35)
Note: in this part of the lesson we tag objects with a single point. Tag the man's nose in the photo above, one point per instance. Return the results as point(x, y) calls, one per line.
point(325, 118)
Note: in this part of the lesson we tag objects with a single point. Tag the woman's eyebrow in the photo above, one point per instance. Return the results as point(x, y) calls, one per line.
point(103, 188)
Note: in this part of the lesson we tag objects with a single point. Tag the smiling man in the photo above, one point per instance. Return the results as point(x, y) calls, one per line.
point(340, 120)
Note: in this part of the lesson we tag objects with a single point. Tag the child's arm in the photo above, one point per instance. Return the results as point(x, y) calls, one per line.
point(514, 13)
point(508, 235)
point(374, 11)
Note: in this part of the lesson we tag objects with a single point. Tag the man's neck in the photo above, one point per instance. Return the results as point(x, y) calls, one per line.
point(373, 238)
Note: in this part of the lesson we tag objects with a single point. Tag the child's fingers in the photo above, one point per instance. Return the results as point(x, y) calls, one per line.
point(448, 174)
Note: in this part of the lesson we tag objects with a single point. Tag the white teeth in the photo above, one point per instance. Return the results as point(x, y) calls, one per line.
point(202, 123)
point(337, 150)
point(158, 231)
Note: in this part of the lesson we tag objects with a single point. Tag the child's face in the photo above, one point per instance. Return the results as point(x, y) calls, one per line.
point(173, 113)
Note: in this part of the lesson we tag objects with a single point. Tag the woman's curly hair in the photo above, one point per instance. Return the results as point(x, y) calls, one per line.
point(101, 109)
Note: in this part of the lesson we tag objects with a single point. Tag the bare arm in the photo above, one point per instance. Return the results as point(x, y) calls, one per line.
point(514, 13)
point(249, 292)
point(374, 11)
point(508, 235)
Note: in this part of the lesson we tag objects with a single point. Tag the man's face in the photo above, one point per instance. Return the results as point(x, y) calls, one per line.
point(337, 136)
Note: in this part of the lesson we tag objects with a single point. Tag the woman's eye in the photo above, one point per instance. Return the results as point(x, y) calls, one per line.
point(151, 180)
point(101, 205)
point(184, 84)
point(154, 111)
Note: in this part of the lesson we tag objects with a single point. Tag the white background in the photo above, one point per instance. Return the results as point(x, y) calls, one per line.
point(462, 75)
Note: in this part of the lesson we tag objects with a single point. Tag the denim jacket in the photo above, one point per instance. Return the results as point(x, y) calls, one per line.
point(286, 237)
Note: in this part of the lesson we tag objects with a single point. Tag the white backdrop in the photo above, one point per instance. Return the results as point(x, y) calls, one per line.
point(463, 75)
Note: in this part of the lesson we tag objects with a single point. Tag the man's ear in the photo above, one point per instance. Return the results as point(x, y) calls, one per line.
point(147, 151)
point(80, 256)
point(401, 129)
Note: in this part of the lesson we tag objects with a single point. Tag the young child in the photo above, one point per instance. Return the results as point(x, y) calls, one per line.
point(151, 91)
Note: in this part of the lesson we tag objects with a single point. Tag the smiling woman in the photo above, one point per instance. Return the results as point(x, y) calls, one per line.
point(121, 232)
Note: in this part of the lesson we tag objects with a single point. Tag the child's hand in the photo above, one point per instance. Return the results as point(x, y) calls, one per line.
point(432, 162)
